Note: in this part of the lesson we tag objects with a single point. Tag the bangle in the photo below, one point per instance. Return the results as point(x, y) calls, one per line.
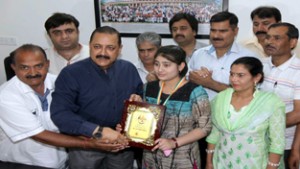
point(176, 144)
point(273, 164)
point(210, 151)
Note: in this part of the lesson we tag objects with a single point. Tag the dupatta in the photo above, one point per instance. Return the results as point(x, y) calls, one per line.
point(257, 111)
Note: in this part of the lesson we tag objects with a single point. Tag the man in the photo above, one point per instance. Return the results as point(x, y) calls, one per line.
point(262, 17)
point(184, 28)
point(210, 66)
point(147, 44)
point(89, 97)
point(26, 127)
point(282, 72)
point(63, 32)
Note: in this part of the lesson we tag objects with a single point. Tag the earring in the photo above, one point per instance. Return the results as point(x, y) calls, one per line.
point(255, 83)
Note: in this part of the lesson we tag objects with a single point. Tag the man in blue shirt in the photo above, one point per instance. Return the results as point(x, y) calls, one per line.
point(88, 99)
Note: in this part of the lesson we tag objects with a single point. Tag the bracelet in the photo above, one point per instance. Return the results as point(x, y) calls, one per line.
point(176, 144)
point(210, 151)
point(273, 164)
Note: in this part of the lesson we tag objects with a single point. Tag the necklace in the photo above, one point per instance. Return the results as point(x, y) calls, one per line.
point(179, 84)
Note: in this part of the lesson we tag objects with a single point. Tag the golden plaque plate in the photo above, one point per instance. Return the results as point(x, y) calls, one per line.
point(141, 123)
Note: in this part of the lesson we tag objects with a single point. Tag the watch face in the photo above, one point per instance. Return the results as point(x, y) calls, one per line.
point(98, 135)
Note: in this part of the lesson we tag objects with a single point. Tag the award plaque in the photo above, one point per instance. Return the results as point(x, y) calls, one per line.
point(141, 123)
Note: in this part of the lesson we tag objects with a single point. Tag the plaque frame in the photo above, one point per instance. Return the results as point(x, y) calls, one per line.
point(146, 114)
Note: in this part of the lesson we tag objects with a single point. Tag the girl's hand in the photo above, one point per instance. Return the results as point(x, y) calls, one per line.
point(164, 144)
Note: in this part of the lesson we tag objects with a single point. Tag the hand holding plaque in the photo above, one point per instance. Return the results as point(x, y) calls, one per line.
point(141, 123)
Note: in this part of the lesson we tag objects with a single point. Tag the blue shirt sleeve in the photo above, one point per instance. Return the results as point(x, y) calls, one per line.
point(63, 107)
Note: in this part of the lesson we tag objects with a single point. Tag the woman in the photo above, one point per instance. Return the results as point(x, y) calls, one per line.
point(248, 124)
point(187, 116)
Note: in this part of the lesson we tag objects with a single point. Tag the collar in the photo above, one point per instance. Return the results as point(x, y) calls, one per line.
point(81, 51)
point(283, 66)
point(252, 40)
point(140, 66)
point(27, 89)
point(233, 49)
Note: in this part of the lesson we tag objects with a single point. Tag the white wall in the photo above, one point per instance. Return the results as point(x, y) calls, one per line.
point(24, 20)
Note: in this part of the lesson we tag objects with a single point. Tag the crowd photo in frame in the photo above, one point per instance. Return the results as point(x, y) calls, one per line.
point(132, 17)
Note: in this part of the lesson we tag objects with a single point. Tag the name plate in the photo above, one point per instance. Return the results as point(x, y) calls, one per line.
point(141, 123)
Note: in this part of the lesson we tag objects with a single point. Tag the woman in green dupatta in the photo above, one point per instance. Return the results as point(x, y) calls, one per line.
point(248, 124)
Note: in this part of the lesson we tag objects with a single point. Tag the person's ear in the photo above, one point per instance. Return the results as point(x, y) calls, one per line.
point(257, 78)
point(181, 66)
point(293, 43)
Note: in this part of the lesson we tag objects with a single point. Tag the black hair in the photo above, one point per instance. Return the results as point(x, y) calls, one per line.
point(106, 30)
point(292, 33)
point(188, 17)
point(58, 19)
point(174, 54)
point(266, 12)
point(224, 16)
point(252, 64)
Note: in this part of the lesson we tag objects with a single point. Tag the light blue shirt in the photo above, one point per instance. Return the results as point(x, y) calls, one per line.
point(220, 67)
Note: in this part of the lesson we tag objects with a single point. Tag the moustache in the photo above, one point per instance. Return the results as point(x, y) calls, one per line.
point(269, 47)
point(102, 57)
point(260, 33)
point(33, 76)
point(217, 39)
point(179, 36)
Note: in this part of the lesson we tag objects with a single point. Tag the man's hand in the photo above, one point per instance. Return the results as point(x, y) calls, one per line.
point(294, 159)
point(102, 144)
point(135, 97)
point(114, 136)
point(119, 128)
point(151, 77)
point(201, 77)
point(106, 146)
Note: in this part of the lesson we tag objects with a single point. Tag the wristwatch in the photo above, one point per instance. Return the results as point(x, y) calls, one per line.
point(98, 134)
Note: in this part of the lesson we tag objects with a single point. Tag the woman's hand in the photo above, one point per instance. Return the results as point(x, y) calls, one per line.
point(164, 144)
point(209, 166)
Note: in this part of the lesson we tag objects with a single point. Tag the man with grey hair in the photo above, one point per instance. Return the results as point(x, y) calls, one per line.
point(147, 44)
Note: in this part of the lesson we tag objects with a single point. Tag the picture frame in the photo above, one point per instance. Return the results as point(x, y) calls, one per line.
point(141, 123)
point(132, 17)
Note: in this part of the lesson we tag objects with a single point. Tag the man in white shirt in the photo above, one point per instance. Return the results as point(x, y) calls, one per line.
point(184, 28)
point(282, 72)
point(210, 66)
point(147, 45)
point(28, 137)
point(63, 31)
point(262, 17)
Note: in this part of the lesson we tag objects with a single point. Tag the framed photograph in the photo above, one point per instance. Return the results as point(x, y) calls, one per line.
point(132, 17)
